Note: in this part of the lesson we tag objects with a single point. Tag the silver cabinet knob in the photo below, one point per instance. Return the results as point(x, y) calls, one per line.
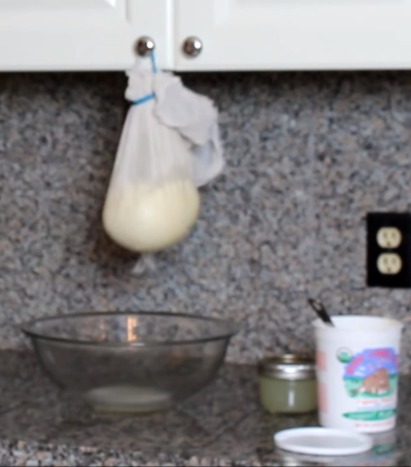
point(192, 46)
point(144, 46)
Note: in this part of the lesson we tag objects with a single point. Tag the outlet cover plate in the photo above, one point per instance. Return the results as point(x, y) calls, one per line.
point(388, 220)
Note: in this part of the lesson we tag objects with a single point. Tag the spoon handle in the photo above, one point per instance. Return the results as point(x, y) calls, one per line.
point(318, 307)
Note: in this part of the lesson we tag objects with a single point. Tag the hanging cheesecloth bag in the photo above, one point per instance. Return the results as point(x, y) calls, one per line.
point(169, 147)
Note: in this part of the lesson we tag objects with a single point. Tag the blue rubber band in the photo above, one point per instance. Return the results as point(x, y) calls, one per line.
point(153, 62)
point(144, 99)
point(151, 96)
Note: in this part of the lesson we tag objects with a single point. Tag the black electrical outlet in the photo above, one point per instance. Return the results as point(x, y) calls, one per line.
point(389, 249)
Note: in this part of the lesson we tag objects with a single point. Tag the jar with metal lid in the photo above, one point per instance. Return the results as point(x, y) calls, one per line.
point(287, 384)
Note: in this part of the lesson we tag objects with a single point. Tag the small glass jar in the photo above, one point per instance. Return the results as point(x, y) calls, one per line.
point(288, 384)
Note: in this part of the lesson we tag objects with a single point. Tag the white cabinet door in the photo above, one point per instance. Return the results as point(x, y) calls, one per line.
point(81, 34)
point(294, 34)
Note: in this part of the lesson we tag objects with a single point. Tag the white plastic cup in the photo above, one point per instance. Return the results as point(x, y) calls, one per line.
point(357, 366)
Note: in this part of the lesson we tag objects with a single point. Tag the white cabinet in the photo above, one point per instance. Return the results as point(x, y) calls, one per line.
point(294, 34)
point(235, 34)
point(81, 34)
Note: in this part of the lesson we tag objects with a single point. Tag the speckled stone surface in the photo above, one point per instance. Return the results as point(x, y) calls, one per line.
point(308, 155)
point(41, 425)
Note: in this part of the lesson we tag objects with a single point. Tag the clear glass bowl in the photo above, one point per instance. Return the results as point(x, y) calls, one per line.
point(130, 362)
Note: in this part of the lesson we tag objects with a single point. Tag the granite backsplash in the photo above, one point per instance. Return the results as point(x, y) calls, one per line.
point(308, 155)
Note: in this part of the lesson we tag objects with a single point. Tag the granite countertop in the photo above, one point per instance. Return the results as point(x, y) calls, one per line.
point(222, 425)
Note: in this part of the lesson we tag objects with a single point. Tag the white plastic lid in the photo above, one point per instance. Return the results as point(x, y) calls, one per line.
point(323, 441)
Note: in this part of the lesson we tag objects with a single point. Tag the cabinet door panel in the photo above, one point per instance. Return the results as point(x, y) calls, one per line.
point(295, 34)
point(77, 34)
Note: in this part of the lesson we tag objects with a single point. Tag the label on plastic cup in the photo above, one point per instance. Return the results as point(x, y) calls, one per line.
point(357, 364)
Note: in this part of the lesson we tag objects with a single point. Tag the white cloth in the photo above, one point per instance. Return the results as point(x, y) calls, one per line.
point(192, 115)
point(172, 136)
